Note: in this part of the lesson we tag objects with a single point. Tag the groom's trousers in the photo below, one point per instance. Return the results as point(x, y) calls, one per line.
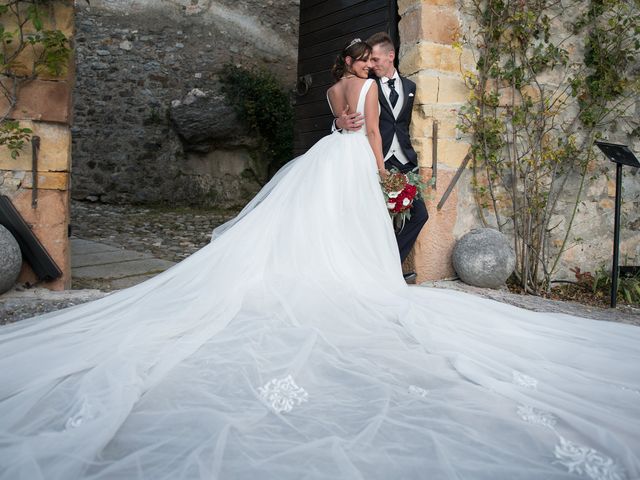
point(408, 235)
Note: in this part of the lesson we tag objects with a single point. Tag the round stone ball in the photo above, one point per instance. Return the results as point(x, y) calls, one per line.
point(10, 260)
point(484, 258)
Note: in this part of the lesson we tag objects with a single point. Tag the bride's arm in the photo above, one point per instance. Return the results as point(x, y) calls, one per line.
point(372, 114)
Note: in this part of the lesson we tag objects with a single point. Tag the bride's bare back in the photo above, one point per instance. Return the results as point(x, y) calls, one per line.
point(345, 93)
point(343, 98)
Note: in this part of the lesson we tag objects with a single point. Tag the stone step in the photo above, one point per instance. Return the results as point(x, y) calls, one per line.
point(83, 247)
point(106, 257)
point(129, 268)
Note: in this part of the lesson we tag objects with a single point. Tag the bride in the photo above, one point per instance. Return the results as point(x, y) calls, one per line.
point(290, 347)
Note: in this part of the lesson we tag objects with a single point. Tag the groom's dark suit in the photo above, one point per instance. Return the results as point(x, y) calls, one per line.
point(391, 125)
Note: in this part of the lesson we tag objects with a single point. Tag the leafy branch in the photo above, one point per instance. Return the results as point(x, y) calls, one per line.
point(27, 50)
point(531, 136)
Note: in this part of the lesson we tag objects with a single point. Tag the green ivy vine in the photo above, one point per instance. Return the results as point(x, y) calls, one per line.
point(534, 113)
point(22, 32)
point(265, 107)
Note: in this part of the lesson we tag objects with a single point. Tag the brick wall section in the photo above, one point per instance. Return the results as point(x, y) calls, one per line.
point(44, 105)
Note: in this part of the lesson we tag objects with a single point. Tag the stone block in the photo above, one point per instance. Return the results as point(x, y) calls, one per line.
point(49, 222)
point(434, 56)
point(405, 6)
point(531, 91)
point(431, 23)
point(442, 3)
point(55, 15)
point(25, 60)
point(427, 88)
point(439, 24)
point(450, 152)
point(606, 204)
point(48, 181)
point(446, 117)
point(63, 17)
point(452, 90)
point(41, 100)
point(55, 149)
point(410, 60)
point(442, 89)
point(421, 127)
point(446, 130)
point(410, 27)
point(434, 247)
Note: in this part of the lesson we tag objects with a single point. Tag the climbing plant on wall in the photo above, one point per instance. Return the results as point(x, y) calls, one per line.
point(535, 110)
point(266, 109)
point(28, 50)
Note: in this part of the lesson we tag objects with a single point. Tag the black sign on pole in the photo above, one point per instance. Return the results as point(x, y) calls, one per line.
point(620, 155)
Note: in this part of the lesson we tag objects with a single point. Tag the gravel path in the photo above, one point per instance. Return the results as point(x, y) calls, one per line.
point(174, 234)
point(622, 314)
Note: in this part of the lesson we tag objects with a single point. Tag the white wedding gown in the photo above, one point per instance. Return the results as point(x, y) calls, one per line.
point(291, 348)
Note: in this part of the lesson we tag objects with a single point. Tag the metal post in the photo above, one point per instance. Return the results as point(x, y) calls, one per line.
point(615, 269)
point(35, 149)
point(434, 153)
point(454, 180)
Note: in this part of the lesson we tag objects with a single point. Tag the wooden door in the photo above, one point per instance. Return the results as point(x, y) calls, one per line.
point(326, 26)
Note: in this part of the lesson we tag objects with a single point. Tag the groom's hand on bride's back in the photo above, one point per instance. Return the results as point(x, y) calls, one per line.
point(349, 121)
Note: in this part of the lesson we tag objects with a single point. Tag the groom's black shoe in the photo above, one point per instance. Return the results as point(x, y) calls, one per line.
point(410, 277)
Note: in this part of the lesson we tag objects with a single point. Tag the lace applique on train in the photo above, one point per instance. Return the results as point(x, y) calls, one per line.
point(283, 394)
point(577, 459)
point(523, 380)
point(85, 413)
point(536, 417)
point(587, 461)
point(632, 390)
point(418, 391)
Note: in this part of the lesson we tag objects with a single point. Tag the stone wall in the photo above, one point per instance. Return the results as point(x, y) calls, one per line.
point(139, 61)
point(428, 31)
point(44, 106)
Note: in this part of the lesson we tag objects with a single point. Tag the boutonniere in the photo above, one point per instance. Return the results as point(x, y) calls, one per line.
point(411, 94)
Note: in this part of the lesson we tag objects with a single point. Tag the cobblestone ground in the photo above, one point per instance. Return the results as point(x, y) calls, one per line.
point(174, 234)
point(167, 233)
point(22, 303)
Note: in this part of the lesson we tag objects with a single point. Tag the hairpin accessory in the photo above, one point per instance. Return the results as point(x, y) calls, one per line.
point(353, 42)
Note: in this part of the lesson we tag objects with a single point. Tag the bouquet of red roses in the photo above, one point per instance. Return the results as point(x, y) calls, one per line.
point(400, 190)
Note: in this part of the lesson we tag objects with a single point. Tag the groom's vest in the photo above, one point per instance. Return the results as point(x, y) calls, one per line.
point(389, 125)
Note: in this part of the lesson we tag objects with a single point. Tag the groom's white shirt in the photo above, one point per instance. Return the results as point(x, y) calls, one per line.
point(394, 149)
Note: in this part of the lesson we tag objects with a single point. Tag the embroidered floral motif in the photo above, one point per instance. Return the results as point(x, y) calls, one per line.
point(282, 394)
point(415, 390)
point(637, 392)
point(525, 381)
point(79, 418)
point(587, 461)
point(536, 417)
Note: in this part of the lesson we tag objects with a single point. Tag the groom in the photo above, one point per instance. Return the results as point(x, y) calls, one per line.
point(396, 104)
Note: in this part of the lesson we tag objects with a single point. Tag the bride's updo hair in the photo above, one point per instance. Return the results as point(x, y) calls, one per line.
point(357, 50)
